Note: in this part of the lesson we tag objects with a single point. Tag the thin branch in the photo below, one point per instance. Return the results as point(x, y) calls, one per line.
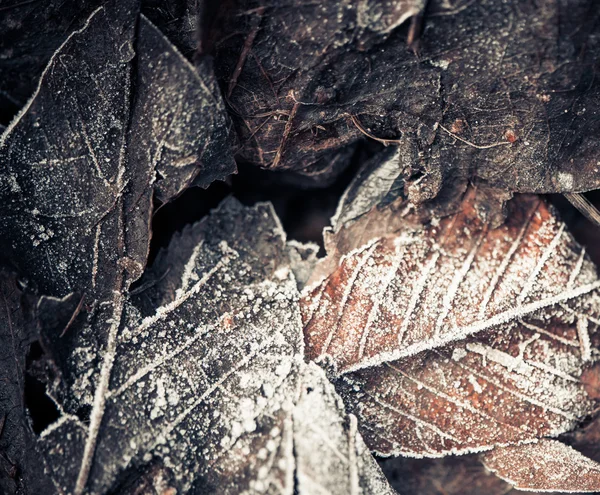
point(587, 209)
point(478, 146)
point(359, 126)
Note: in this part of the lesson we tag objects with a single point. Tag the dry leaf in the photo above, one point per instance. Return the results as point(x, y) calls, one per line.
point(210, 393)
point(545, 466)
point(502, 94)
point(203, 377)
point(455, 337)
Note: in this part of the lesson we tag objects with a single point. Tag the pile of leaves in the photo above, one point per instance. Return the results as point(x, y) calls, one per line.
point(446, 312)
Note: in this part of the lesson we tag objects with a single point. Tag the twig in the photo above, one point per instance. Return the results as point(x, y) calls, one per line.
point(587, 209)
point(245, 50)
point(286, 133)
point(359, 126)
point(478, 146)
point(73, 316)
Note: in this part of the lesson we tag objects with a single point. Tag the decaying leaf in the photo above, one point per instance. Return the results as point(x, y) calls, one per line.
point(294, 72)
point(213, 384)
point(545, 466)
point(452, 336)
point(500, 93)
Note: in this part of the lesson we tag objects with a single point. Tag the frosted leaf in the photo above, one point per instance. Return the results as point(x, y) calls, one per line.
point(331, 455)
point(198, 382)
point(378, 183)
point(508, 386)
point(545, 466)
point(414, 290)
point(371, 206)
point(82, 159)
point(82, 162)
point(211, 385)
point(456, 337)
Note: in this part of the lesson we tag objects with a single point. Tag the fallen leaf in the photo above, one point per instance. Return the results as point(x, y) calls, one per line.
point(545, 466)
point(498, 94)
point(453, 337)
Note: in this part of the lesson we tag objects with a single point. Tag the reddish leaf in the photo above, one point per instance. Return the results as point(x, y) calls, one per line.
point(547, 466)
point(456, 337)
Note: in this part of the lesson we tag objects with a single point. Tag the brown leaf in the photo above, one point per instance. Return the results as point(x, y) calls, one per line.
point(419, 289)
point(457, 337)
point(547, 465)
point(501, 94)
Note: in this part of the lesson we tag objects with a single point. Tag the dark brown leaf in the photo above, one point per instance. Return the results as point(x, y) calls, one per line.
point(502, 94)
point(293, 74)
point(20, 464)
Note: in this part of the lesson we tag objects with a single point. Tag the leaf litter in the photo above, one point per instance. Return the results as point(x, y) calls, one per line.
point(439, 335)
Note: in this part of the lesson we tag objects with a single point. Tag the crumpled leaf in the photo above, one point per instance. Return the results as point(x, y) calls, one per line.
point(451, 336)
point(545, 466)
point(213, 384)
point(295, 71)
point(500, 94)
